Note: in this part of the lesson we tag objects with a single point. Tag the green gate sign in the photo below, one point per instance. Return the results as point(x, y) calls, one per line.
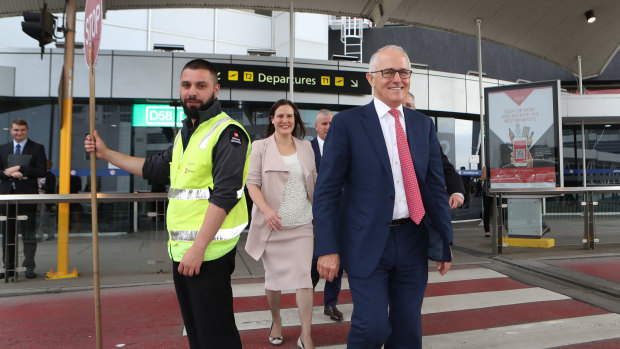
point(156, 115)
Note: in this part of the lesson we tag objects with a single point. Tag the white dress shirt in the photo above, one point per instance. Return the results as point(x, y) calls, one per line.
point(321, 142)
point(22, 145)
point(386, 120)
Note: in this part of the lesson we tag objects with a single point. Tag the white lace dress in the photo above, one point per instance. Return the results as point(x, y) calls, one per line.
point(288, 253)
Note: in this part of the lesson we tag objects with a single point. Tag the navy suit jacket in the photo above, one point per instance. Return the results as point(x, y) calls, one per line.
point(317, 153)
point(35, 168)
point(354, 194)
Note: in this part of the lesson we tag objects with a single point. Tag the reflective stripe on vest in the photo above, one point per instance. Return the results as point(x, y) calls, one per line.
point(194, 194)
point(188, 194)
point(222, 234)
point(205, 140)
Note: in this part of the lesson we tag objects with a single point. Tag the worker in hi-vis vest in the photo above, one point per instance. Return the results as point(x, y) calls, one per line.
point(206, 167)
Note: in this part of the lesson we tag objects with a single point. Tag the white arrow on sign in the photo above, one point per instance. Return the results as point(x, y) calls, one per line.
point(354, 83)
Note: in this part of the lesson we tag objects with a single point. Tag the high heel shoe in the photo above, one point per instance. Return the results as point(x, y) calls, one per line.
point(274, 340)
point(300, 344)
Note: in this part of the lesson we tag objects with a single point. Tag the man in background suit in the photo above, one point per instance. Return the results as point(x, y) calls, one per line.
point(332, 288)
point(383, 231)
point(22, 161)
point(454, 184)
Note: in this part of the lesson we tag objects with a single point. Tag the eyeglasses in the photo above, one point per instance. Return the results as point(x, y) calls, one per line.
point(390, 73)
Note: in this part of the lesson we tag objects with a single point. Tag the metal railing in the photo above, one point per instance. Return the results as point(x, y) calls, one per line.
point(587, 203)
point(154, 213)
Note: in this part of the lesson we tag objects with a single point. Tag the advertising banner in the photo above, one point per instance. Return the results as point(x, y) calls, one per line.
point(523, 141)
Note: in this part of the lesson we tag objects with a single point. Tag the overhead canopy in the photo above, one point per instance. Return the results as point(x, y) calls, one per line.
point(554, 30)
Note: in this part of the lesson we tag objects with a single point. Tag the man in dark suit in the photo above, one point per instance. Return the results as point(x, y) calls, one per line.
point(332, 288)
point(22, 161)
point(381, 208)
point(454, 185)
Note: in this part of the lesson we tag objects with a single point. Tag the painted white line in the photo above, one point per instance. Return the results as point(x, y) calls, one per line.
point(544, 334)
point(479, 300)
point(464, 274)
point(254, 320)
point(258, 289)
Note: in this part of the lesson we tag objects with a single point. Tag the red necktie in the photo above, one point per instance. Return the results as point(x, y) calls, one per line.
point(412, 191)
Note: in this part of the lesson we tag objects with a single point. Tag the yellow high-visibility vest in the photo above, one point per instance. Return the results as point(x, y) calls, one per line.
point(191, 180)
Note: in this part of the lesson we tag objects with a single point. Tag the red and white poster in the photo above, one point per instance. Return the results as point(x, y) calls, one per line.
point(522, 137)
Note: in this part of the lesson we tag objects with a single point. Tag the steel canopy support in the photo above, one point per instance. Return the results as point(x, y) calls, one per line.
point(580, 75)
point(65, 148)
point(481, 91)
point(380, 11)
point(291, 81)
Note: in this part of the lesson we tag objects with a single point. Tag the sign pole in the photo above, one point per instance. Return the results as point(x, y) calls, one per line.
point(93, 203)
point(92, 38)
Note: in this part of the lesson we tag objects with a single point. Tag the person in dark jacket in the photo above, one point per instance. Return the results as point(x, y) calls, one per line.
point(454, 185)
point(22, 161)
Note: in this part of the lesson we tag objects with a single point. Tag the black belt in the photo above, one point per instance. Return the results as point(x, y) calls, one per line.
point(397, 222)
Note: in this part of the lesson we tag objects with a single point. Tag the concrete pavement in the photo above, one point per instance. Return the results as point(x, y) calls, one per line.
point(139, 307)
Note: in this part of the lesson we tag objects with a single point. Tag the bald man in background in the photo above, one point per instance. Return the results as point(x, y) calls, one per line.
point(332, 288)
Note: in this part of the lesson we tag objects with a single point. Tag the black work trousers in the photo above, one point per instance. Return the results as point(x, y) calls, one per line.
point(206, 302)
point(9, 234)
point(487, 209)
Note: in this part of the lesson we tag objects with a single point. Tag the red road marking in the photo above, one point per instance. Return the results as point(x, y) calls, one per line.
point(505, 315)
point(606, 268)
point(472, 286)
point(440, 323)
point(254, 303)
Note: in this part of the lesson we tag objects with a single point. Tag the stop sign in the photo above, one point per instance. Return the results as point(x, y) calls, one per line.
point(92, 30)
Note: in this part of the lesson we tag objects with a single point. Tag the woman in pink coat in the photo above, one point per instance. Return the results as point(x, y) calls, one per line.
point(281, 183)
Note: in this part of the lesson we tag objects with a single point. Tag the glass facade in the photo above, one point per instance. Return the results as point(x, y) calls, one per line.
point(602, 154)
point(458, 136)
point(113, 123)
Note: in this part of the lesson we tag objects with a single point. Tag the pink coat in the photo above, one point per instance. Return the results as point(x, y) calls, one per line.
point(269, 172)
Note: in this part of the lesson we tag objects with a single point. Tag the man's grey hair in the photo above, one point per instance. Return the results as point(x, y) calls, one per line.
point(373, 59)
point(323, 112)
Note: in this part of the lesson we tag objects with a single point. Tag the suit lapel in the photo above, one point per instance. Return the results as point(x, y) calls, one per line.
point(27, 148)
point(275, 163)
point(370, 121)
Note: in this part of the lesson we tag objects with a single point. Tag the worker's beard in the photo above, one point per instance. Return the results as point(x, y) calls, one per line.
point(194, 112)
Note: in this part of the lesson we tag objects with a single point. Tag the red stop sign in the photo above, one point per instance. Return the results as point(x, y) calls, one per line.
point(92, 30)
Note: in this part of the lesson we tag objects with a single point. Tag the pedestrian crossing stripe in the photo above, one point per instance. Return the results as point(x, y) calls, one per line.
point(258, 289)
point(543, 334)
point(504, 296)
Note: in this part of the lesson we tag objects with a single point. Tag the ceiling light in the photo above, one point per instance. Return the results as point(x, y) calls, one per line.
point(168, 48)
point(590, 16)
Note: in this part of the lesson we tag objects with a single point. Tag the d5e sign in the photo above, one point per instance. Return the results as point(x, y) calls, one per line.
point(149, 115)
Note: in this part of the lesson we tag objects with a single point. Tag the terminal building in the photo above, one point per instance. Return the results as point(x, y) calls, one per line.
point(143, 51)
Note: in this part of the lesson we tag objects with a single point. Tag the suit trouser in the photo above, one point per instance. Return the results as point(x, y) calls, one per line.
point(206, 302)
point(487, 209)
point(332, 288)
point(387, 304)
point(27, 230)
